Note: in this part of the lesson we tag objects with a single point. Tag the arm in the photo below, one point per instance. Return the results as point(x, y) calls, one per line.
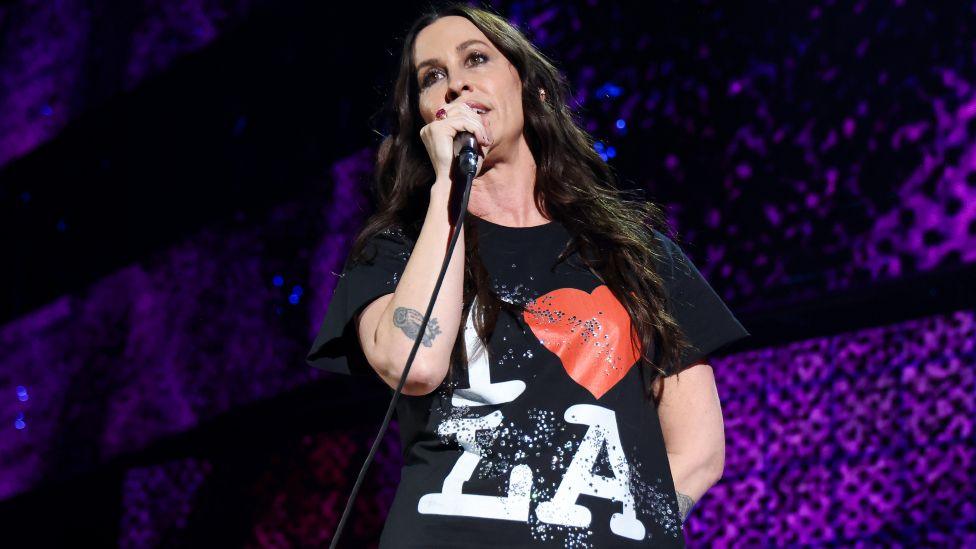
point(694, 433)
point(388, 326)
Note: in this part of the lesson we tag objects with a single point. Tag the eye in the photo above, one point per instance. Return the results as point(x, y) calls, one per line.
point(427, 81)
point(479, 55)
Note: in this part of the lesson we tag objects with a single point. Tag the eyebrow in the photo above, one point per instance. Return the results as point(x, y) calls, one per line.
point(459, 49)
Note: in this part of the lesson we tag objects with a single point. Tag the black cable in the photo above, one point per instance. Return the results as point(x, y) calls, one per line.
point(467, 163)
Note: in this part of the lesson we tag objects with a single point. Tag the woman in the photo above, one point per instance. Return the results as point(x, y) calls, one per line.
point(548, 369)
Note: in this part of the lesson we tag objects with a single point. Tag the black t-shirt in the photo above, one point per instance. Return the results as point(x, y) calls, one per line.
point(548, 439)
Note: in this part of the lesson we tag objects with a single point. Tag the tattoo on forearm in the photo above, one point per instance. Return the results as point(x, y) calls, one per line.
point(409, 321)
point(685, 504)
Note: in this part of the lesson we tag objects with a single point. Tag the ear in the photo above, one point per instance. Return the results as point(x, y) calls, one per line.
point(542, 94)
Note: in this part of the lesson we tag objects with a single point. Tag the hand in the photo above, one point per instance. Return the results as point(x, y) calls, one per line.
point(438, 136)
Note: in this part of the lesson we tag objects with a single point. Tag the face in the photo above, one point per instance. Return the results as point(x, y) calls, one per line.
point(456, 63)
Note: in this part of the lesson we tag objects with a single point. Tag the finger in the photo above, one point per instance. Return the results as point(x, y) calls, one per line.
point(477, 126)
point(482, 123)
point(471, 123)
point(461, 120)
point(462, 110)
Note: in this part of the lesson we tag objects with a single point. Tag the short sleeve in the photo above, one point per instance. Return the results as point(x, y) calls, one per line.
point(336, 347)
point(705, 319)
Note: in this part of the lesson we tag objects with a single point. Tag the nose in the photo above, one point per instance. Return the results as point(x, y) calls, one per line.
point(454, 88)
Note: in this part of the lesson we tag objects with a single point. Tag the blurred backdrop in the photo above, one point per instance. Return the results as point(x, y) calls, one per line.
point(181, 180)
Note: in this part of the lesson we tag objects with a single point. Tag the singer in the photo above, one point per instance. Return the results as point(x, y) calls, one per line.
point(543, 407)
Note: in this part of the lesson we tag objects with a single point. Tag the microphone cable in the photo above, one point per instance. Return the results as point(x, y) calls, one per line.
point(467, 156)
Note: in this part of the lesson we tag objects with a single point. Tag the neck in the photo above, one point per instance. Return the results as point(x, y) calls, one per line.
point(503, 193)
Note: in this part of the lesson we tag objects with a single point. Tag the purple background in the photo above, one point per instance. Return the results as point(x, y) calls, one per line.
point(180, 182)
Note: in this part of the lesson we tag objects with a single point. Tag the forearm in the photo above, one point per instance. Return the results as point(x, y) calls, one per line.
point(400, 321)
point(693, 475)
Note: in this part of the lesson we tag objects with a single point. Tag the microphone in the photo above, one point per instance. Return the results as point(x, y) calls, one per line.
point(466, 150)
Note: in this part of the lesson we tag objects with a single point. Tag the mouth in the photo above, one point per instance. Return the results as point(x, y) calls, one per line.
point(478, 107)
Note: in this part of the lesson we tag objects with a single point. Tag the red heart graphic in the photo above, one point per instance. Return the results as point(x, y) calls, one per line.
point(586, 331)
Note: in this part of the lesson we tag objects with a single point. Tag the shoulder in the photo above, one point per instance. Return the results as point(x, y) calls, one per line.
point(664, 249)
point(392, 235)
point(395, 232)
point(387, 241)
point(663, 240)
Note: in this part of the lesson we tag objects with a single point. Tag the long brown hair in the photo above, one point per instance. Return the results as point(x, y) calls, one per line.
point(611, 232)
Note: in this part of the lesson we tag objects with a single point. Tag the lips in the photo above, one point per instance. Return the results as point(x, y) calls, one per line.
point(478, 107)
